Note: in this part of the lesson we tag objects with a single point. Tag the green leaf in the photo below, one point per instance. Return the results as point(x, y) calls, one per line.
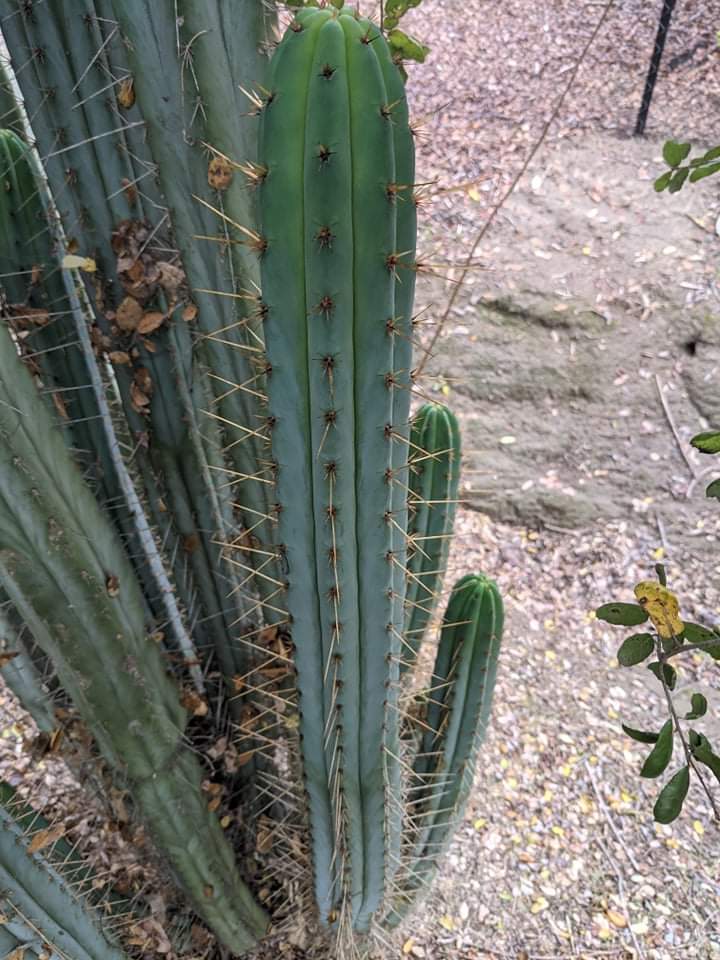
point(406, 47)
point(708, 639)
point(701, 172)
point(708, 442)
point(674, 153)
point(672, 796)
point(665, 670)
point(622, 614)
point(713, 489)
point(659, 757)
point(696, 633)
point(642, 736)
point(703, 752)
point(713, 154)
point(663, 181)
point(698, 707)
point(678, 179)
point(635, 649)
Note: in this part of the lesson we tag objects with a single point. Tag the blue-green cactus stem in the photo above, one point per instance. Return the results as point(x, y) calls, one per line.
point(329, 280)
point(20, 673)
point(458, 710)
point(432, 498)
point(39, 908)
point(70, 581)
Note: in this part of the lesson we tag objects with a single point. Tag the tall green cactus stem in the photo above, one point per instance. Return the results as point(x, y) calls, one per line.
point(458, 711)
point(38, 906)
point(68, 577)
point(92, 148)
point(20, 673)
point(432, 498)
point(202, 82)
point(329, 277)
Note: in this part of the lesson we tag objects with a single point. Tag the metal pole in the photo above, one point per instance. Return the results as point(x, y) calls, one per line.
point(663, 27)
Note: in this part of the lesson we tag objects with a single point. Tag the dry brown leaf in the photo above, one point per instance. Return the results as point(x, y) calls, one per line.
point(112, 585)
point(126, 93)
point(194, 703)
point(130, 191)
point(45, 838)
point(119, 358)
point(264, 837)
point(150, 322)
point(190, 312)
point(128, 314)
point(60, 407)
point(138, 399)
point(7, 656)
point(26, 317)
point(220, 173)
point(616, 919)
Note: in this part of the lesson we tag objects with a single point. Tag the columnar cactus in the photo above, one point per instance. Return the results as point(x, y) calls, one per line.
point(331, 265)
point(208, 475)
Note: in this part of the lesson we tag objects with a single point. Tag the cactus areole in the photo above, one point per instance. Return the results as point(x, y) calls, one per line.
point(338, 222)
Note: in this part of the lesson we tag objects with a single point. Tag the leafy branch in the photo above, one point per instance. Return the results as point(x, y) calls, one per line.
point(670, 637)
point(674, 155)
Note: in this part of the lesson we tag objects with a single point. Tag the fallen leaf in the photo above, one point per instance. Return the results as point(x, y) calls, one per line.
point(119, 358)
point(7, 656)
point(72, 262)
point(45, 838)
point(447, 922)
point(150, 322)
point(128, 314)
point(616, 919)
point(539, 904)
point(190, 312)
point(220, 173)
point(126, 93)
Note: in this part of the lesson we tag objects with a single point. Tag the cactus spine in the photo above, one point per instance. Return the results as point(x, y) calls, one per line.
point(330, 269)
point(434, 479)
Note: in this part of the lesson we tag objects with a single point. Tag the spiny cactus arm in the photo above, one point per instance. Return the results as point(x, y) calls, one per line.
point(69, 579)
point(20, 674)
point(329, 294)
point(91, 111)
point(459, 707)
point(433, 489)
point(232, 352)
point(39, 903)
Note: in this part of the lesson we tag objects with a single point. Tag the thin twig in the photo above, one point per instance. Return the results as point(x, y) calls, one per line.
point(498, 206)
point(606, 813)
point(671, 422)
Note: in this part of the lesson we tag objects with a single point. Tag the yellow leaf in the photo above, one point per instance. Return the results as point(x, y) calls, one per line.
point(662, 606)
point(407, 946)
point(698, 828)
point(474, 194)
point(539, 904)
point(447, 922)
point(659, 553)
point(586, 804)
point(480, 823)
point(616, 919)
point(445, 390)
point(73, 262)
point(558, 831)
